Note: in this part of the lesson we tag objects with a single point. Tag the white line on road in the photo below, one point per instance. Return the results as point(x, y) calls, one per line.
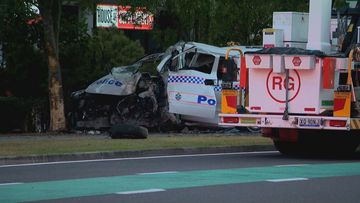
point(139, 191)
point(3, 184)
point(286, 180)
point(154, 173)
point(139, 158)
point(290, 165)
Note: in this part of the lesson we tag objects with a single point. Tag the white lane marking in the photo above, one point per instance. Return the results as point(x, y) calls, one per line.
point(139, 158)
point(290, 165)
point(286, 180)
point(139, 191)
point(3, 184)
point(154, 173)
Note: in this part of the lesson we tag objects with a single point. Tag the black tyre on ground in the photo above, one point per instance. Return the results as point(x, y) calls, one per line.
point(122, 131)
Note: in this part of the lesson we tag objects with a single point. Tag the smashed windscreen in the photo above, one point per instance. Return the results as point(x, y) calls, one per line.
point(124, 72)
point(146, 64)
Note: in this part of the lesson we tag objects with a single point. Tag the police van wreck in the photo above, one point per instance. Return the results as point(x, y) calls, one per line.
point(185, 88)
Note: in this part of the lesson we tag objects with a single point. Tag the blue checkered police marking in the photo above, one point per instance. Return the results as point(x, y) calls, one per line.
point(219, 88)
point(194, 80)
point(186, 79)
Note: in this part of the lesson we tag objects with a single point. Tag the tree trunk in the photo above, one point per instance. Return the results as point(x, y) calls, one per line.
point(50, 12)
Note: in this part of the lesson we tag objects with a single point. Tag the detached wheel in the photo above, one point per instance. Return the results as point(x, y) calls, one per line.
point(123, 131)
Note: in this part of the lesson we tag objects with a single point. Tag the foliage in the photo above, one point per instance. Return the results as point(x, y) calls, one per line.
point(113, 48)
point(25, 62)
point(84, 57)
point(339, 3)
point(218, 22)
point(90, 57)
point(16, 113)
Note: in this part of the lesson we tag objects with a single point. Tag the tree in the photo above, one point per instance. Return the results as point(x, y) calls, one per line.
point(215, 22)
point(20, 40)
point(86, 59)
point(50, 11)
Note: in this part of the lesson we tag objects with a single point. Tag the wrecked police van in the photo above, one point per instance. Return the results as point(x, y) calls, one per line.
point(185, 89)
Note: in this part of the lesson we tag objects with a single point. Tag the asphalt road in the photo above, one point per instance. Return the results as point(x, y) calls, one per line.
point(238, 177)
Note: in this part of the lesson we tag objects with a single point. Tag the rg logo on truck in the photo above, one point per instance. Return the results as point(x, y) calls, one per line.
point(276, 86)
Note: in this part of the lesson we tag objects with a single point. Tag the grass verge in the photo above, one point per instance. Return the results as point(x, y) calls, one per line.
point(78, 144)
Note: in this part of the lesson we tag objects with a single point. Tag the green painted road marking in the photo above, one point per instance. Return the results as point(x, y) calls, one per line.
point(117, 184)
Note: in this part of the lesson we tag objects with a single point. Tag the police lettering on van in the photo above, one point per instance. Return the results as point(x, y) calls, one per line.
point(204, 100)
point(108, 81)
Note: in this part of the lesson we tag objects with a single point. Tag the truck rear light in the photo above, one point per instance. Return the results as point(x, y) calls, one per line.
point(310, 109)
point(231, 120)
point(337, 123)
point(256, 108)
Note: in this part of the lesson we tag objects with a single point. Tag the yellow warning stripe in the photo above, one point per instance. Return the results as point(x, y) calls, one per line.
point(355, 124)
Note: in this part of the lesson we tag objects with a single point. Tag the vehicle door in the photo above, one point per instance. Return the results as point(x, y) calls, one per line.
point(219, 70)
point(191, 85)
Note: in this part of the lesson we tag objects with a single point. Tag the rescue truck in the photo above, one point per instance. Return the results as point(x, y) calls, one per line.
point(303, 87)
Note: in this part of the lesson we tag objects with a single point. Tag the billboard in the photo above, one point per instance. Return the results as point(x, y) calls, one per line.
point(122, 18)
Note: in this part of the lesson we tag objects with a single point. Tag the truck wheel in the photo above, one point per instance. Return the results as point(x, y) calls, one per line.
point(128, 131)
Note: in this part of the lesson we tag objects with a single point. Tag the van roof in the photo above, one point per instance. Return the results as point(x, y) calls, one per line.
point(220, 50)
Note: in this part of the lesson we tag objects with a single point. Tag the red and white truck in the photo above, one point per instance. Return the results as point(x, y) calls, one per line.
point(301, 89)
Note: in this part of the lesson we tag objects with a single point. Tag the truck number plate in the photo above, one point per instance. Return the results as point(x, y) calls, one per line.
point(309, 122)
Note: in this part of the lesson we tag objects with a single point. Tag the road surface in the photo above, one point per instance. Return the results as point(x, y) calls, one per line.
point(234, 177)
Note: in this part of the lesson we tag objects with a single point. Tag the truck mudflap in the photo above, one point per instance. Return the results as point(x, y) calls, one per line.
point(293, 121)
